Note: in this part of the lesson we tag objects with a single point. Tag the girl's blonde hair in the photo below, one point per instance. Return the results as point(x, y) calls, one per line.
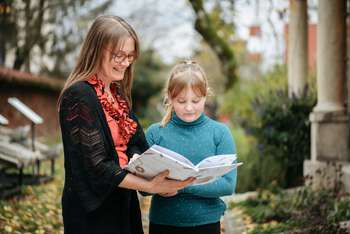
point(186, 74)
point(104, 32)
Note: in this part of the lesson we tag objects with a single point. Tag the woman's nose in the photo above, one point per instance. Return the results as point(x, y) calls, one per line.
point(125, 62)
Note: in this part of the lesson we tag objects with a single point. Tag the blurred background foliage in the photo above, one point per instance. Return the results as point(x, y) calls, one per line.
point(40, 33)
point(150, 76)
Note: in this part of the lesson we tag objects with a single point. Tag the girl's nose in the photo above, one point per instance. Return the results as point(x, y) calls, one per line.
point(188, 107)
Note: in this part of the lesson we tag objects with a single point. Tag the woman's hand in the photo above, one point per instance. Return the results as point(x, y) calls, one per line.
point(165, 187)
point(159, 184)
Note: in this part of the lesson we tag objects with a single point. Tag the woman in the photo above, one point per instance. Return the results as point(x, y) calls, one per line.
point(100, 133)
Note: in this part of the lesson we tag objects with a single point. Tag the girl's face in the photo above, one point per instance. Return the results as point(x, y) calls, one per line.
point(188, 106)
point(115, 63)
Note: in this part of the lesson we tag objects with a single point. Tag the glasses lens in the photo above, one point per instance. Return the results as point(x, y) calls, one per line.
point(130, 58)
point(120, 57)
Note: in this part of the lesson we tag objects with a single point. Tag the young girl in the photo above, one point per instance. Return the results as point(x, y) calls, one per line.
point(187, 130)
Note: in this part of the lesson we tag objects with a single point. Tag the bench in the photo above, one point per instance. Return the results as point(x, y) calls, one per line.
point(19, 148)
point(12, 139)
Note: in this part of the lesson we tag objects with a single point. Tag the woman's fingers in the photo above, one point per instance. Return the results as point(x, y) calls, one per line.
point(161, 176)
point(165, 187)
point(185, 183)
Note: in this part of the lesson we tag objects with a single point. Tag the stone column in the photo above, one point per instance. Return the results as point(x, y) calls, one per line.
point(348, 56)
point(346, 168)
point(329, 119)
point(297, 47)
point(331, 52)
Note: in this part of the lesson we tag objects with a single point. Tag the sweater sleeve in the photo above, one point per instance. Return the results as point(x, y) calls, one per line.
point(91, 172)
point(226, 184)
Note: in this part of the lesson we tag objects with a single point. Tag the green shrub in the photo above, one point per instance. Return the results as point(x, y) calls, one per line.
point(276, 130)
point(283, 135)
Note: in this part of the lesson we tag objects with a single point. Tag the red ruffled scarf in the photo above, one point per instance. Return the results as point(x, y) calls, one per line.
point(119, 112)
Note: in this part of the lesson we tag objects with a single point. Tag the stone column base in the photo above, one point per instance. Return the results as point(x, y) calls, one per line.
point(346, 177)
point(329, 136)
point(321, 174)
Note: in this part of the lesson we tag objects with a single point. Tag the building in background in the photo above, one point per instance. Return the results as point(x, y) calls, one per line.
point(38, 93)
point(312, 46)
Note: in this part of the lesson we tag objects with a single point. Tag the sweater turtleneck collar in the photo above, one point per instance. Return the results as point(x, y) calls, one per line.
point(177, 121)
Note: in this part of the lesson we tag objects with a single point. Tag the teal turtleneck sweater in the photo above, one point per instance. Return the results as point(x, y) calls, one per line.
point(196, 204)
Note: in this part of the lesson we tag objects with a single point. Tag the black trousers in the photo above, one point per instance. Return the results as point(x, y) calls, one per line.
point(212, 228)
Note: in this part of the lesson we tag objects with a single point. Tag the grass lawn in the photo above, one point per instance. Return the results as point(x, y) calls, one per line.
point(37, 210)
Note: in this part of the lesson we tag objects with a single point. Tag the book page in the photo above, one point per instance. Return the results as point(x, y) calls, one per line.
point(172, 154)
point(208, 174)
point(217, 160)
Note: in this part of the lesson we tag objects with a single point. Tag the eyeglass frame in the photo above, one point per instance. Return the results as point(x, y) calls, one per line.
point(123, 56)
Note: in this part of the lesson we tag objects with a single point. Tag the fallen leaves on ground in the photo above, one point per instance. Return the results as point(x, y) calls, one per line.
point(37, 210)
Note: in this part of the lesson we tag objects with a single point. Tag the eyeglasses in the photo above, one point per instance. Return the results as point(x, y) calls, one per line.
point(188, 62)
point(120, 56)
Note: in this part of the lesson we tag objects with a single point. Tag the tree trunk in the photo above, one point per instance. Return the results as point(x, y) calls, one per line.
point(220, 46)
point(32, 35)
point(6, 28)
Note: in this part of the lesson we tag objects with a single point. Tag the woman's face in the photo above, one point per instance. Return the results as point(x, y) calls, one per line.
point(115, 62)
point(188, 106)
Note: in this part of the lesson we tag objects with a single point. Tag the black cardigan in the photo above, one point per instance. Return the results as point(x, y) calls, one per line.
point(92, 202)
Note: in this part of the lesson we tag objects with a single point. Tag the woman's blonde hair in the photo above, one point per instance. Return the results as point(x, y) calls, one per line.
point(104, 31)
point(186, 74)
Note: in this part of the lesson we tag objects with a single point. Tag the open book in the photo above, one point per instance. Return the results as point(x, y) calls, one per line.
point(158, 159)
